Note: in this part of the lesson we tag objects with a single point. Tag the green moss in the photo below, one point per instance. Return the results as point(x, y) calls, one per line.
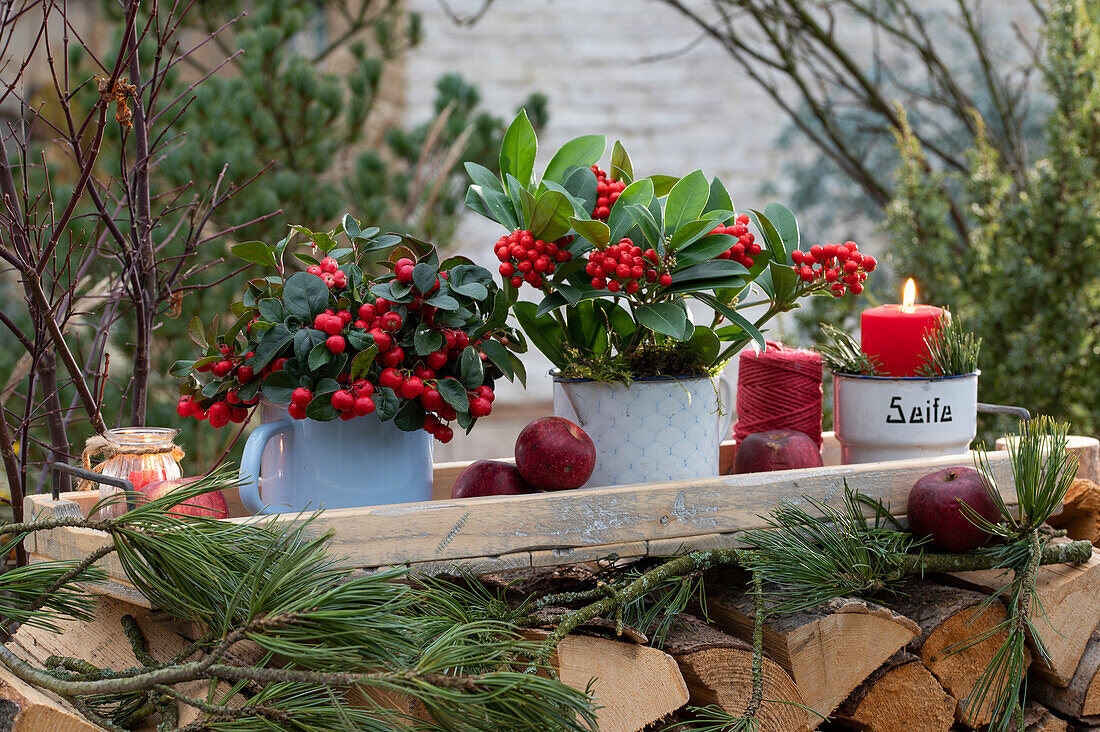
point(666, 359)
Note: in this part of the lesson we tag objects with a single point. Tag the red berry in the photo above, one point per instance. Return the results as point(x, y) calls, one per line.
point(301, 396)
point(665, 280)
point(297, 411)
point(485, 392)
point(431, 400)
point(817, 252)
point(364, 405)
point(404, 274)
point(332, 325)
point(245, 374)
point(869, 263)
point(278, 364)
point(329, 265)
point(480, 407)
point(424, 372)
point(856, 288)
point(343, 400)
point(517, 281)
point(393, 357)
point(391, 321)
point(390, 378)
point(461, 340)
point(366, 311)
point(506, 269)
point(382, 340)
point(362, 387)
point(436, 360)
point(412, 388)
point(381, 306)
point(184, 407)
point(222, 368)
point(336, 344)
point(447, 412)
point(444, 434)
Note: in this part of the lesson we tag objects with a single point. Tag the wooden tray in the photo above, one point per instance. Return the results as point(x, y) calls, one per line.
point(508, 532)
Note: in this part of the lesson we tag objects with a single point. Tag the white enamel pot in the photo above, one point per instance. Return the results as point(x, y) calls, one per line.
point(655, 429)
point(886, 418)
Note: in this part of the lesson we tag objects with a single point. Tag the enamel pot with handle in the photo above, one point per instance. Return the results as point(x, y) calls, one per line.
point(293, 465)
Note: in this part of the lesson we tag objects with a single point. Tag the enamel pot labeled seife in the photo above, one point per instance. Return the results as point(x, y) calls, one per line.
point(886, 418)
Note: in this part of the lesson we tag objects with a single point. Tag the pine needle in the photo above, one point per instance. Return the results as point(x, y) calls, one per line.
point(843, 355)
point(952, 349)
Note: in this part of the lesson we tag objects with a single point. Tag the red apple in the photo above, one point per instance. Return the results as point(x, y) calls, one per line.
point(490, 478)
point(554, 454)
point(776, 450)
point(934, 509)
point(209, 505)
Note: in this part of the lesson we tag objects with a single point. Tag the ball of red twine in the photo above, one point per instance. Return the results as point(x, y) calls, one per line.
point(779, 389)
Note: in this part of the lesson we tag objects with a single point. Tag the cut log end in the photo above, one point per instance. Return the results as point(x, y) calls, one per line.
point(902, 696)
point(718, 670)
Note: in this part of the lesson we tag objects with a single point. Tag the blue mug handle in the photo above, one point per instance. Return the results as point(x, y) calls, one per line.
point(250, 464)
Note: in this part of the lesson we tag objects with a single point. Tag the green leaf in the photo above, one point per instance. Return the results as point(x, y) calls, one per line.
point(493, 205)
point(662, 184)
point(784, 279)
point(704, 249)
point(272, 342)
point(580, 152)
point(667, 318)
point(551, 217)
point(708, 270)
point(443, 301)
point(303, 257)
point(278, 386)
point(319, 356)
point(686, 200)
point(704, 342)
point(271, 310)
point(543, 331)
point(691, 232)
point(580, 186)
point(517, 150)
point(426, 340)
point(424, 276)
point(256, 252)
point(736, 318)
point(787, 227)
point(361, 364)
point(321, 409)
point(483, 177)
point(182, 369)
point(620, 221)
point(499, 355)
point(522, 202)
point(351, 227)
point(304, 340)
point(454, 394)
point(621, 167)
point(386, 404)
point(359, 339)
point(643, 217)
point(719, 199)
point(771, 235)
point(470, 369)
point(518, 369)
point(305, 295)
point(595, 231)
point(410, 416)
point(197, 332)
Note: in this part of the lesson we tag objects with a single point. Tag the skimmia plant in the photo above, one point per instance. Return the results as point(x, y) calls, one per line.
point(618, 258)
point(422, 344)
point(455, 646)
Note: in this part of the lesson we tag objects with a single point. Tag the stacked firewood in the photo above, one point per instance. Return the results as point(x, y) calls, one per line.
point(902, 663)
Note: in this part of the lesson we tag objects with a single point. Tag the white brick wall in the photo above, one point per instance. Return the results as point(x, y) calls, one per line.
point(695, 109)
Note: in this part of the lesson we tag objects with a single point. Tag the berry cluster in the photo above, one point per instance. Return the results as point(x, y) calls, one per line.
point(842, 266)
point(746, 247)
point(330, 273)
point(232, 408)
point(607, 192)
point(624, 266)
point(526, 259)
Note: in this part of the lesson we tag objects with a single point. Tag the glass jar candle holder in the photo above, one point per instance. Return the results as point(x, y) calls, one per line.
point(141, 455)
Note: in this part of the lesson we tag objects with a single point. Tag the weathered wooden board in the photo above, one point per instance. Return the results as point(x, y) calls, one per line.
point(564, 527)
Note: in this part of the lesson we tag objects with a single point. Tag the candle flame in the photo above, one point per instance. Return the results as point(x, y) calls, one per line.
point(909, 297)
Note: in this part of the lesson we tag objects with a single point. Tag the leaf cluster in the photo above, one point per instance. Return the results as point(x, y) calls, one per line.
point(276, 320)
point(581, 327)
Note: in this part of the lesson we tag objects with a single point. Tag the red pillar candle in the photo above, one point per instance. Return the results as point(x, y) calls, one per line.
point(893, 335)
